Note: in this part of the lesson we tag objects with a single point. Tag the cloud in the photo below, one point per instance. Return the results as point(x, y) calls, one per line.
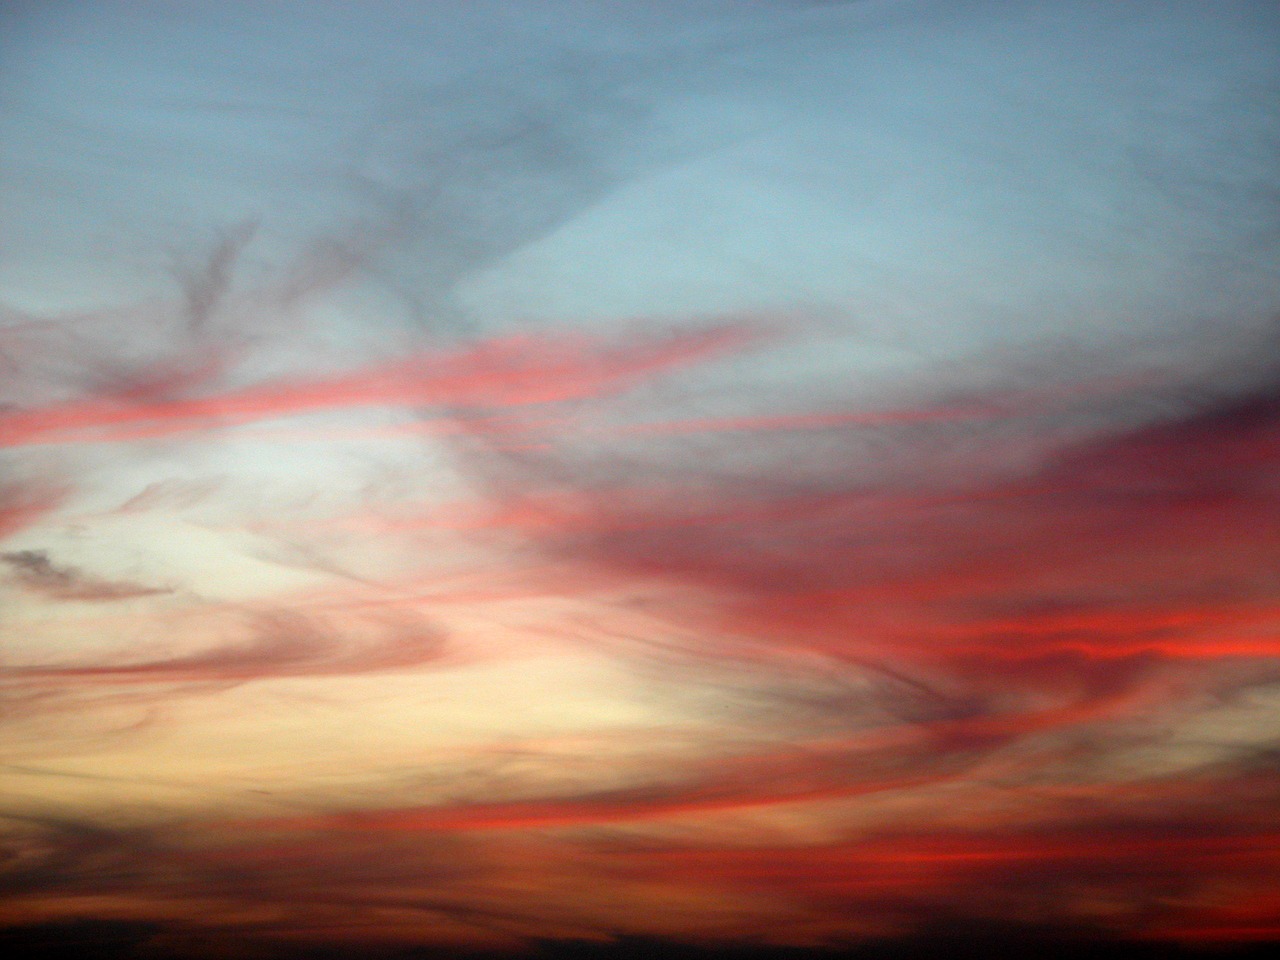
point(34, 571)
point(789, 474)
point(493, 375)
point(282, 644)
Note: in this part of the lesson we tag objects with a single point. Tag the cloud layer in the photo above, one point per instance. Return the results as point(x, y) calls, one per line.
point(766, 474)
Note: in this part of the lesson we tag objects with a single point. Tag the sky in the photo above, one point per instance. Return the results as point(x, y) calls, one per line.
point(581, 475)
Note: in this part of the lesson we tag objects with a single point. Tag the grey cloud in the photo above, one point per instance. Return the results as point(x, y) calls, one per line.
point(35, 571)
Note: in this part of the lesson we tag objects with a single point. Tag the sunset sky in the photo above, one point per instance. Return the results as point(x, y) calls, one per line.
point(722, 474)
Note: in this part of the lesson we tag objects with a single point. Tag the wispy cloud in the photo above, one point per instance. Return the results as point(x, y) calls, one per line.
point(780, 474)
point(34, 571)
